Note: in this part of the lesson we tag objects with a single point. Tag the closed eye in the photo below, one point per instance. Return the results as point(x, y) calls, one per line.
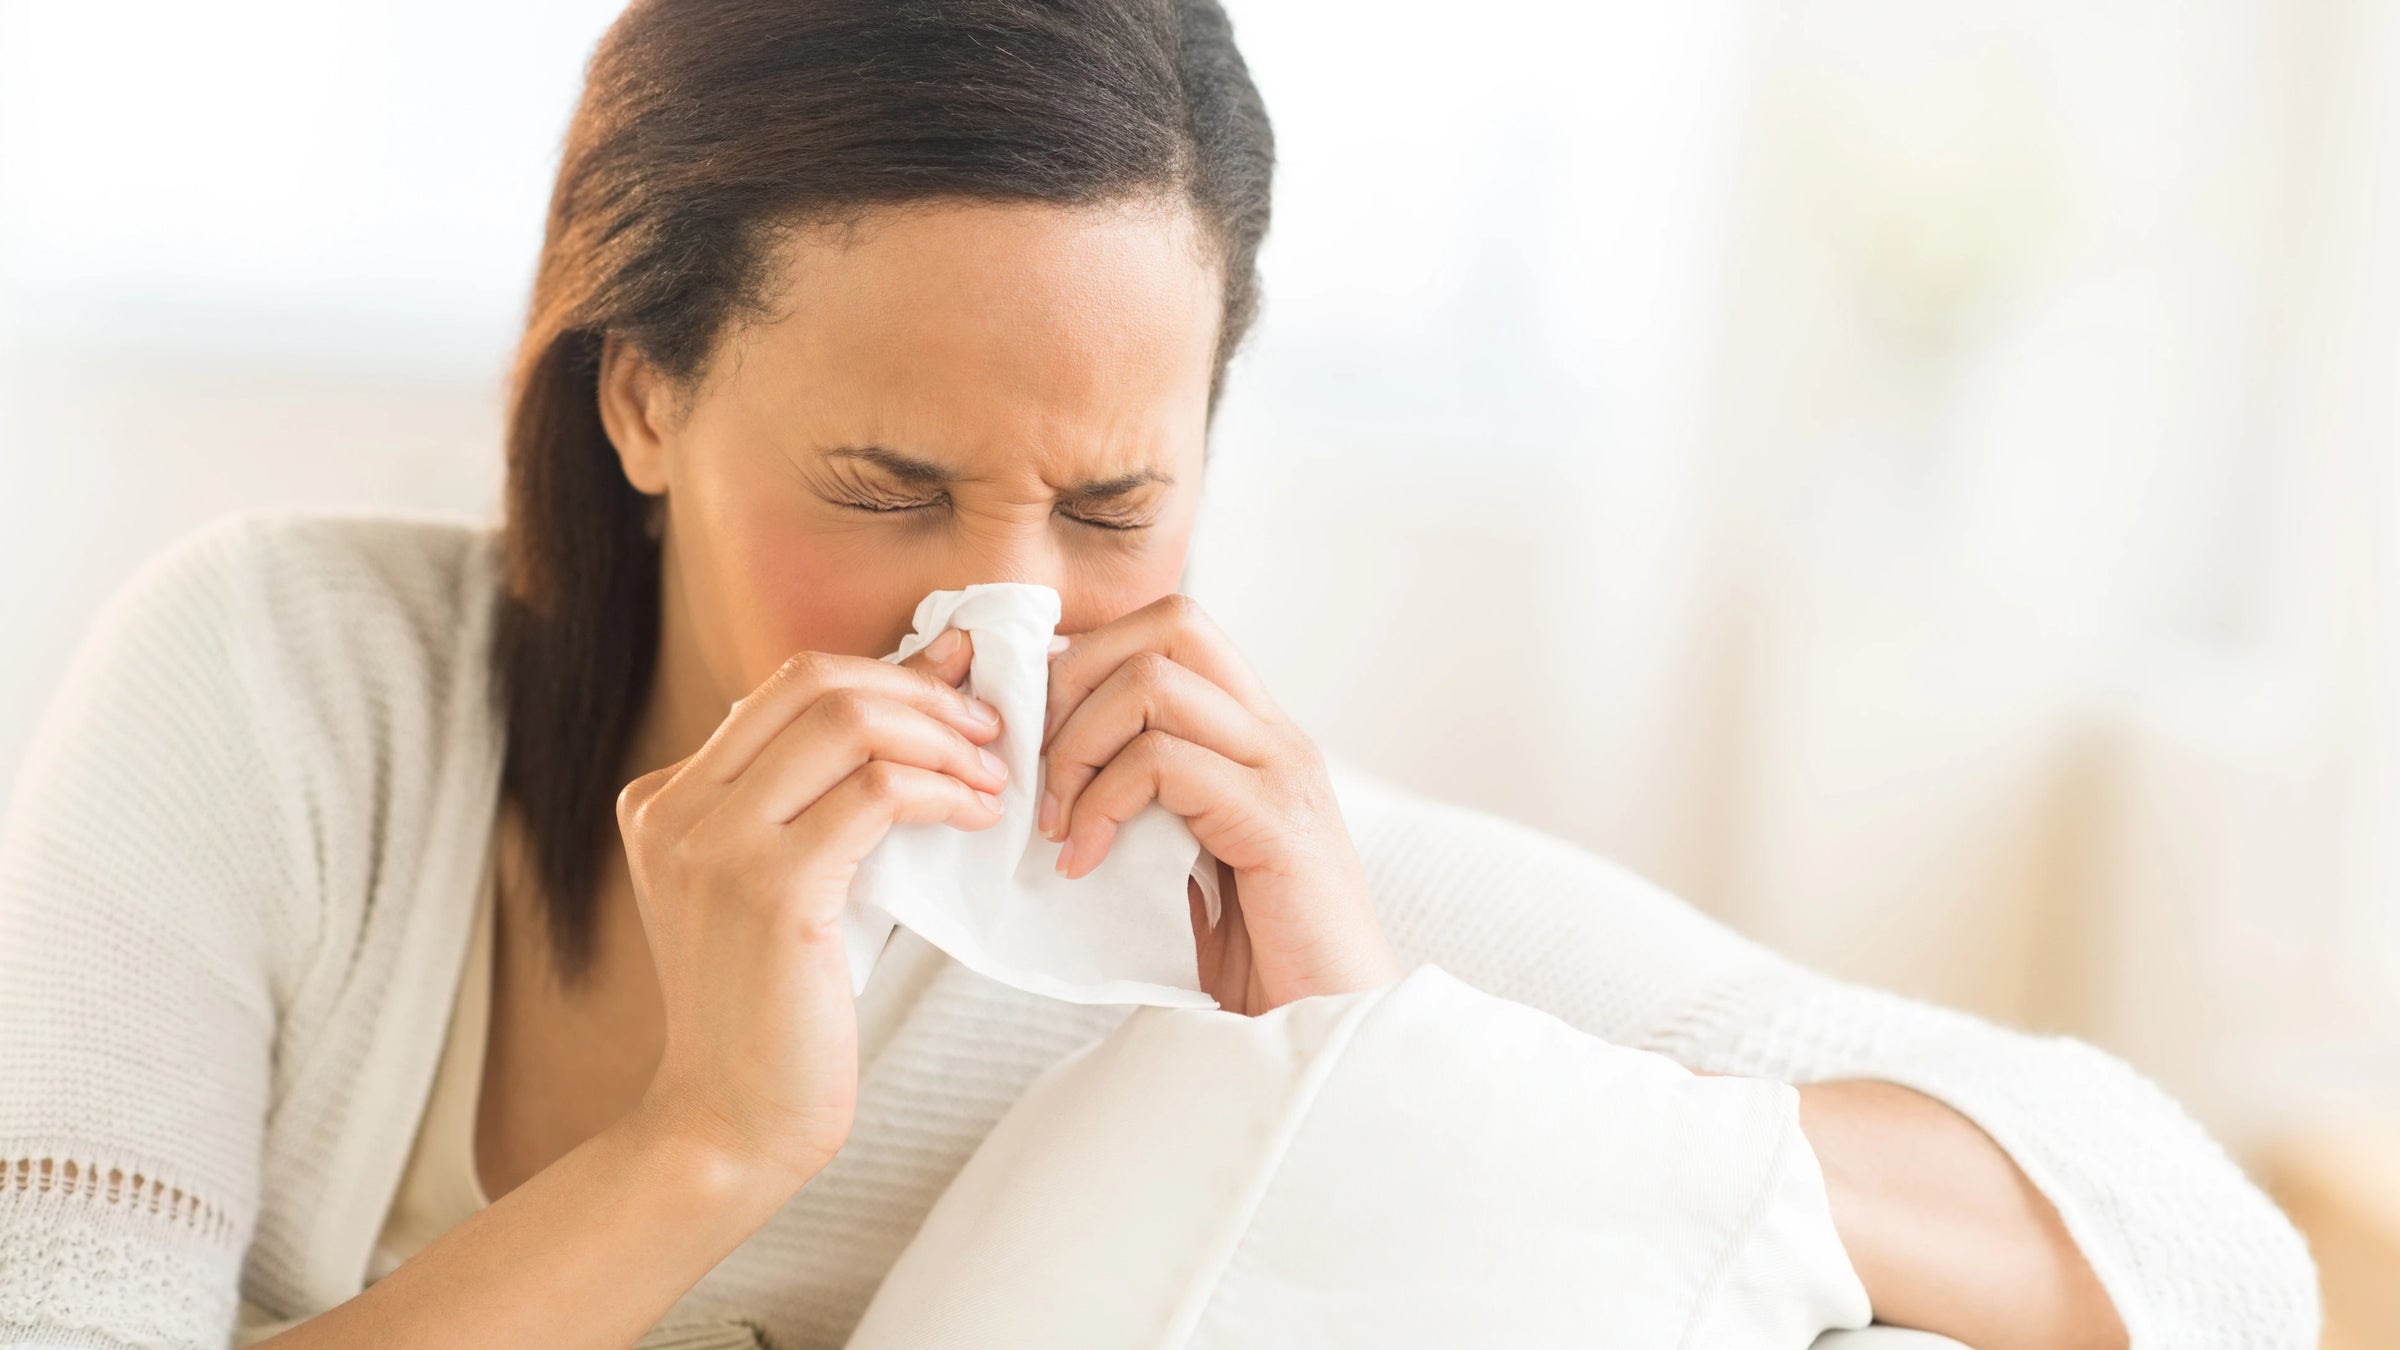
point(890, 507)
point(1103, 523)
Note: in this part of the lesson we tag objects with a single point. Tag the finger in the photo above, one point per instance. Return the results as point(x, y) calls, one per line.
point(634, 800)
point(1173, 626)
point(1148, 692)
point(946, 658)
point(753, 721)
point(849, 820)
point(838, 733)
point(1190, 780)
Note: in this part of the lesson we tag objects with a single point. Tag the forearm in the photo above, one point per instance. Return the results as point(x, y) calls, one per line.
point(1945, 1231)
point(590, 1252)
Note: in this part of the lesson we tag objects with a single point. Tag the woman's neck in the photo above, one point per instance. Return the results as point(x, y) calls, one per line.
point(685, 704)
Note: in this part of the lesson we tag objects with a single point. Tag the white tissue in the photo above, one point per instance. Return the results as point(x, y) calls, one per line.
point(992, 898)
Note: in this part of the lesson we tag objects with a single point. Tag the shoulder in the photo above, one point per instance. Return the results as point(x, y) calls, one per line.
point(308, 689)
point(317, 693)
point(346, 572)
point(279, 616)
point(318, 611)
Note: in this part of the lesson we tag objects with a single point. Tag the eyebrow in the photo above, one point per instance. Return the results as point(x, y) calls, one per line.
point(925, 472)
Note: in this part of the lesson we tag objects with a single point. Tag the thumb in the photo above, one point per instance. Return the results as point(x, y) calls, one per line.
point(946, 657)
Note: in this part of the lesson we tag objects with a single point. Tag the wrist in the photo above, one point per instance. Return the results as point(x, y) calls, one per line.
point(714, 1157)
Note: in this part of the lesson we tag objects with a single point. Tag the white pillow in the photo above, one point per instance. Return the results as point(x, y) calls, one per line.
point(1417, 1165)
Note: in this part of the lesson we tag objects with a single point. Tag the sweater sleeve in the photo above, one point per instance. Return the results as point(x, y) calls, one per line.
point(2193, 1254)
point(143, 859)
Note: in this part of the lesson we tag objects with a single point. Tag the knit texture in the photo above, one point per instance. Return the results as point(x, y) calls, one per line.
point(235, 891)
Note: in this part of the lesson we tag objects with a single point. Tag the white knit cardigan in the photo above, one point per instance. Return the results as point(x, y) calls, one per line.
point(235, 887)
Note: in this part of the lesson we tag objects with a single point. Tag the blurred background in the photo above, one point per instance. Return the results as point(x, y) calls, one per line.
point(1916, 478)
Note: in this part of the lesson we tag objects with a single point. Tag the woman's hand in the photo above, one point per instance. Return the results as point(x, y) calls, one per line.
point(1159, 706)
point(742, 856)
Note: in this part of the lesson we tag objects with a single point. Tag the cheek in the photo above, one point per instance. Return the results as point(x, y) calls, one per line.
point(1109, 590)
point(799, 590)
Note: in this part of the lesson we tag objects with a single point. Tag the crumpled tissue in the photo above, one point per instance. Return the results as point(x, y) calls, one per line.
point(992, 899)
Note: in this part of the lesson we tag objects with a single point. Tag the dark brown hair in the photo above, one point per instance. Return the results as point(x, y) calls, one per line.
point(707, 127)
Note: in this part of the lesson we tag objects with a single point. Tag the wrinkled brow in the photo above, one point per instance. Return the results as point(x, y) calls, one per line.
point(927, 473)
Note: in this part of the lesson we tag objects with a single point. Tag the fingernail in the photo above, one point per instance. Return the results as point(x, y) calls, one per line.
point(1066, 857)
point(993, 764)
point(1057, 644)
point(1095, 845)
point(989, 800)
point(946, 646)
point(1047, 819)
point(983, 712)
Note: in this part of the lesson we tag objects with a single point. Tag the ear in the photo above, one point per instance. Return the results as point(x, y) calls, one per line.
point(636, 409)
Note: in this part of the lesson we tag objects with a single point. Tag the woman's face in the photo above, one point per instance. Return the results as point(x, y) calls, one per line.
point(946, 394)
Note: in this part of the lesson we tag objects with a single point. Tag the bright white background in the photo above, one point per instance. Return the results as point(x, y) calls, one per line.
point(1915, 477)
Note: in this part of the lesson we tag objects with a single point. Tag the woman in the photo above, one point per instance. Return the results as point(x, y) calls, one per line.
point(430, 935)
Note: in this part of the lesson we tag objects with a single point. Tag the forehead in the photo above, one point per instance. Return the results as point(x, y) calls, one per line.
point(959, 329)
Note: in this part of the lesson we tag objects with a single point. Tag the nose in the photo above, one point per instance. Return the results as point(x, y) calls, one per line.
point(1022, 553)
